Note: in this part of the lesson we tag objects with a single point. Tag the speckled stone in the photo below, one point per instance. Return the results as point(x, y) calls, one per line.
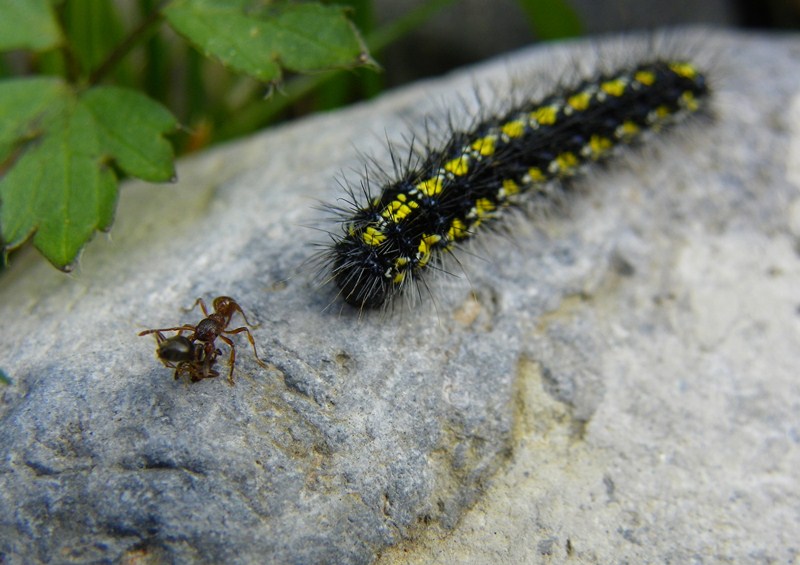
point(617, 383)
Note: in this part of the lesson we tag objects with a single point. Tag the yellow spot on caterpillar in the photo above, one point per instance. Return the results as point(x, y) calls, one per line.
point(683, 69)
point(424, 251)
point(400, 270)
point(513, 129)
point(689, 101)
point(397, 210)
point(483, 206)
point(627, 130)
point(565, 162)
point(580, 101)
point(431, 187)
point(431, 240)
point(599, 145)
point(646, 78)
point(510, 188)
point(662, 112)
point(458, 166)
point(536, 175)
point(546, 115)
point(614, 87)
point(373, 236)
point(457, 230)
point(485, 145)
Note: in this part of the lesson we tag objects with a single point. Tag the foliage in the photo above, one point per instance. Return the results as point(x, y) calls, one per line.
point(65, 137)
point(85, 87)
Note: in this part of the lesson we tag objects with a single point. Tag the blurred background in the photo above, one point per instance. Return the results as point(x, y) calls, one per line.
point(128, 43)
point(471, 30)
point(409, 40)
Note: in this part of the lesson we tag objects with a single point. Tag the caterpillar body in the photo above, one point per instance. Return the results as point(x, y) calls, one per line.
point(398, 233)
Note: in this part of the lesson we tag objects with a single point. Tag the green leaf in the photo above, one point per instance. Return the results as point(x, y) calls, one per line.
point(4, 378)
point(60, 185)
point(552, 19)
point(261, 40)
point(28, 24)
point(24, 107)
point(131, 128)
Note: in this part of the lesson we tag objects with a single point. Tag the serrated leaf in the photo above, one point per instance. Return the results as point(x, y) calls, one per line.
point(24, 106)
point(261, 40)
point(131, 128)
point(60, 185)
point(28, 24)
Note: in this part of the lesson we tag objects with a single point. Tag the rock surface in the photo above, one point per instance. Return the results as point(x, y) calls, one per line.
point(617, 383)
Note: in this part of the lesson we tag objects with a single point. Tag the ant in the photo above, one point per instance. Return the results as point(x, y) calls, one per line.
point(190, 357)
point(196, 354)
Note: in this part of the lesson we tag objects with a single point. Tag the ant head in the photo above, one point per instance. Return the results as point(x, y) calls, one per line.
point(225, 304)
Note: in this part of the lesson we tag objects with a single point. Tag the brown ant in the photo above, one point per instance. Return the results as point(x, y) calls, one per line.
point(194, 355)
point(186, 357)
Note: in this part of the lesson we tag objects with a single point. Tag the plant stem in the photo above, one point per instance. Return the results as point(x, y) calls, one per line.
point(141, 31)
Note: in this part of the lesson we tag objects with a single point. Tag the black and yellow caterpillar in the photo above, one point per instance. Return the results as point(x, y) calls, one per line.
point(389, 241)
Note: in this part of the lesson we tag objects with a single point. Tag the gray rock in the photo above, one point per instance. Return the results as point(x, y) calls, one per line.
point(614, 383)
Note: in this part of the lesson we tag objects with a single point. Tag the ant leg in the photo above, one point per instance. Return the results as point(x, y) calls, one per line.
point(183, 369)
point(232, 358)
point(252, 343)
point(160, 338)
point(159, 330)
point(237, 308)
point(194, 372)
point(202, 306)
point(209, 373)
point(207, 367)
point(204, 371)
point(179, 371)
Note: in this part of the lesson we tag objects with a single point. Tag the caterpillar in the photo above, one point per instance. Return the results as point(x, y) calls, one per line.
point(446, 196)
